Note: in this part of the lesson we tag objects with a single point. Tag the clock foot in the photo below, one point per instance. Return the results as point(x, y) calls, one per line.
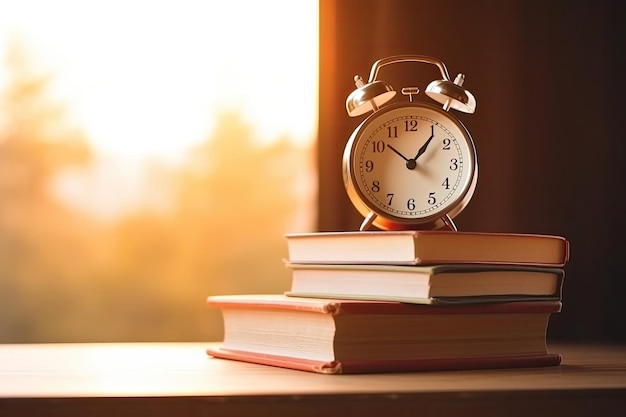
point(367, 222)
point(447, 220)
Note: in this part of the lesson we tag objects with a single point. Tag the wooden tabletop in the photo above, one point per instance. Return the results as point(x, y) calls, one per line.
point(179, 379)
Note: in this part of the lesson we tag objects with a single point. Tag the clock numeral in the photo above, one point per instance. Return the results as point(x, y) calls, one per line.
point(410, 125)
point(392, 131)
point(369, 165)
point(378, 146)
point(375, 186)
point(446, 184)
point(446, 144)
point(410, 204)
point(390, 197)
point(454, 164)
point(431, 198)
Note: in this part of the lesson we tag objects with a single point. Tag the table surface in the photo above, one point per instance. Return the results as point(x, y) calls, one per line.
point(174, 378)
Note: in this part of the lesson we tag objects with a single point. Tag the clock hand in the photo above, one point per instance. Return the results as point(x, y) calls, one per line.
point(410, 163)
point(424, 146)
point(396, 151)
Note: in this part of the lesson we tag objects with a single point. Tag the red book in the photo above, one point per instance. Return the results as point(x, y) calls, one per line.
point(427, 247)
point(351, 336)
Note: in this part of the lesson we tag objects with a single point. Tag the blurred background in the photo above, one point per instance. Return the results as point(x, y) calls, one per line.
point(155, 153)
point(151, 154)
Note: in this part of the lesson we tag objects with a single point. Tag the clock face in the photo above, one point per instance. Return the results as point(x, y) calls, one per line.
point(410, 164)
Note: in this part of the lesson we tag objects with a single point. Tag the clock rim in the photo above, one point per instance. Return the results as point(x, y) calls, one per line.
point(384, 220)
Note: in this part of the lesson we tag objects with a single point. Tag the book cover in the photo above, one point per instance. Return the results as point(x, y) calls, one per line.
point(351, 336)
point(453, 283)
point(390, 365)
point(414, 247)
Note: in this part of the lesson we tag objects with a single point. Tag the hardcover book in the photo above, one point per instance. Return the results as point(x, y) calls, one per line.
point(423, 247)
point(350, 336)
point(453, 283)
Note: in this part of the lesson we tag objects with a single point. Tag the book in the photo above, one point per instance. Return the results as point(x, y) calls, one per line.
point(351, 336)
point(412, 247)
point(452, 283)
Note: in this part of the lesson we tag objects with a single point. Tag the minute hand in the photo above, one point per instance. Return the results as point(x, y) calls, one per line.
point(423, 148)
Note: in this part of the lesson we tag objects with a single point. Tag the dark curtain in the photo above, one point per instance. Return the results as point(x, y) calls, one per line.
point(549, 127)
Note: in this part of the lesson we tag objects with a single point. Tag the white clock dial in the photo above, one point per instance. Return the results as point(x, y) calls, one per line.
point(410, 164)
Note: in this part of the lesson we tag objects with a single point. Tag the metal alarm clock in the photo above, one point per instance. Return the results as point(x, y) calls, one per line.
point(410, 164)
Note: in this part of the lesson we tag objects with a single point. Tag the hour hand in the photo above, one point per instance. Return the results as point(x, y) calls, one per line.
point(410, 163)
point(397, 152)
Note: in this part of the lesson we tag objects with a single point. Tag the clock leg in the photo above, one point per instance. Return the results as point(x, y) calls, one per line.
point(448, 222)
point(367, 222)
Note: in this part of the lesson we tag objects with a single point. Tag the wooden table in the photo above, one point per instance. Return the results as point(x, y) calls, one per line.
point(178, 379)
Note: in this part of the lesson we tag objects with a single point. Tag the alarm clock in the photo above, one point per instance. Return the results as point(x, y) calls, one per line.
point(410, 164)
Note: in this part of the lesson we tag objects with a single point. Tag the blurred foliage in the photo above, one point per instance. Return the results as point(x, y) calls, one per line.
point(66, 276)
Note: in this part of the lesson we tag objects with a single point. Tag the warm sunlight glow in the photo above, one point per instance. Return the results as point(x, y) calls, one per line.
point(145, 78)
point(152, 152)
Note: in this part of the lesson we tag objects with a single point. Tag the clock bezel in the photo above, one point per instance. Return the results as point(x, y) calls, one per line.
point(387, 221)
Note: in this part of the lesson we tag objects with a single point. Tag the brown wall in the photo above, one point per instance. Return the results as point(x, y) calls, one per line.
point(549, 127)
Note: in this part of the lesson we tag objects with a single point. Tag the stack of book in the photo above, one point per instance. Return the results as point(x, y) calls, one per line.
point(365, 302)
